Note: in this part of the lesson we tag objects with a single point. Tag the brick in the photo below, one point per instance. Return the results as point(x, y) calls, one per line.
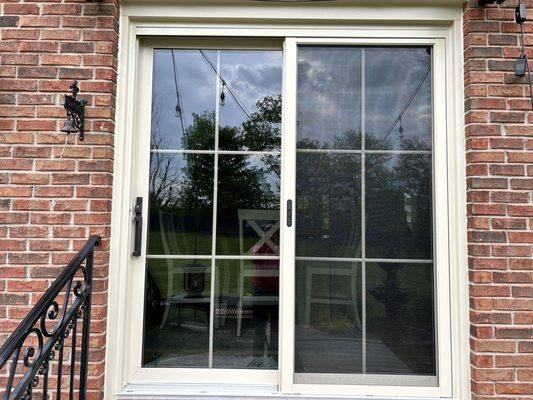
point(522, 184)
point(9, 21)
point(509, 197)
point(521, 237)
point(76, 47)
point(514, 388)
point(507, 117)
point(17, 9)
point(511, 251)
point(508, 223)
point(39, 21)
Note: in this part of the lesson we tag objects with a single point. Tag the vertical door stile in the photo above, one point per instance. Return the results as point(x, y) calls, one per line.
point(140, 184)
point(363, 216)
point(288, 192)
point(215, 198)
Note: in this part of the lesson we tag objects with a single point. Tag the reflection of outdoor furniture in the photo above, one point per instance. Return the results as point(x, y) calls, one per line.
point(252, 217)
point(182, 300)
point(168, 235)
point(350, 273)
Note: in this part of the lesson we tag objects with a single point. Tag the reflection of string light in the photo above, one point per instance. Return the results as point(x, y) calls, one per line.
point(222, 95)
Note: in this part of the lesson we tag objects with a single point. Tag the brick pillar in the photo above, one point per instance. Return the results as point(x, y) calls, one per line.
point(499, 148)
point(50, 204)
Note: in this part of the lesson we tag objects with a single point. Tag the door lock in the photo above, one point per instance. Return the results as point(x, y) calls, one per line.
point(138, 220)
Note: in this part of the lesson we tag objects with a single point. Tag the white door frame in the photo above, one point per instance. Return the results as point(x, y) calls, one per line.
point(119, 362)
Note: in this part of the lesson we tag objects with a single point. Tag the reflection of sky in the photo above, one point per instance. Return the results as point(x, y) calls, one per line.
point(329, 91)
point(196, 82)
point(251, 74)
point(392, 75)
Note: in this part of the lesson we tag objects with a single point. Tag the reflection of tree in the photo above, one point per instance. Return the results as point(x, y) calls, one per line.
point(162, 174)
point(181, 185)
point(398, 196)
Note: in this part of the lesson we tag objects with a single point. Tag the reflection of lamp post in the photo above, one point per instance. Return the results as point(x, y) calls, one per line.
point(194, 273)
point(194, 279)
point(390, 293)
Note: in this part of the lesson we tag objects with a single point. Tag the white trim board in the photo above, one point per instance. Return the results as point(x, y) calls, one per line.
point(184, 19)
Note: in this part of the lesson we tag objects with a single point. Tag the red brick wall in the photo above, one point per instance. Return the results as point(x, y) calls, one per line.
point(49, 205)
point(499, 146)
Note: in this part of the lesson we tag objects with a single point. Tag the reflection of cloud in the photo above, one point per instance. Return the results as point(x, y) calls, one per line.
point(330, 89)
point(251, 74)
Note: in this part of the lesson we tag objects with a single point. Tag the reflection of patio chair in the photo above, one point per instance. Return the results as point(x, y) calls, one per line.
point(252, 217)
point(169, 236)
point(350, 273)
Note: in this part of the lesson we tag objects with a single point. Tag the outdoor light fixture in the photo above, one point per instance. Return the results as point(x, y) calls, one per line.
point(521, 66)
point(522, 63)
point(75, 112)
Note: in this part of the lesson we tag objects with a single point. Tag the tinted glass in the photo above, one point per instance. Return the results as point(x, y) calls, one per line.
point(246, 314)
point(183, 100)
point(328, 205)
point(248, 204)
point(176, 324)
point(329, 98)
point(180, 204)
point(398, 98)
point(328, 317)
point(399, 319)
point(252, 100)
point(399, 212)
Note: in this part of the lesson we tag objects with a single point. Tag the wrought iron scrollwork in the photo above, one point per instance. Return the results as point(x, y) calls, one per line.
point(35, 349)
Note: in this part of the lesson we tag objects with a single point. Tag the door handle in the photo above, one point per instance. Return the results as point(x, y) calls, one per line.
point(289, 213)
point(138, 220)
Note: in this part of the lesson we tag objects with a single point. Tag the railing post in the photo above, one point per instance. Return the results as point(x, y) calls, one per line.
point(84, 362)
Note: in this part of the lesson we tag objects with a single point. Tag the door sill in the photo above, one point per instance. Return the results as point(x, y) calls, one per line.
point(218, 391)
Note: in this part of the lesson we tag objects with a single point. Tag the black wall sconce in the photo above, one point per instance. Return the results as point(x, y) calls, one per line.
point(522, 63)
point(75, 112)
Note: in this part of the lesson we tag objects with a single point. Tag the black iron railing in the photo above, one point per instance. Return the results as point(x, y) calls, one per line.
point(43, 354)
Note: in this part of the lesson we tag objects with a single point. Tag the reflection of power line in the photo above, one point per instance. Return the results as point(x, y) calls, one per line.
point(239, 103)
point(404, 109)
point(179, 107)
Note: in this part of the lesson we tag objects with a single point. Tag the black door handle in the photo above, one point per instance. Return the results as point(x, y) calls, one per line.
point(289, 213)
point(138, 220)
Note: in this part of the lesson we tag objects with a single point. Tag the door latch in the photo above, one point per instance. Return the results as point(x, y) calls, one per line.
point(289, 213)
point(138, 220)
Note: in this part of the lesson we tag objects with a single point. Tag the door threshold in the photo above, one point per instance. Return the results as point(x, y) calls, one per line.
point(217, 391)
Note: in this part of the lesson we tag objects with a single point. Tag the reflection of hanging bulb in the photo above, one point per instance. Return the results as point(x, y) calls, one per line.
point(222, 96)
point(178, 110)
point(401, 128)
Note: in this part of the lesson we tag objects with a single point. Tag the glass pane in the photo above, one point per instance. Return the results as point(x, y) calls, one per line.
point(328, 317)
point(246, 314)
point(248, 204)
point(398, 98)
point(176, 325)
point(328, 205)
point(180, 204)
point(183, 100)
point(399, 206)
point(329, 98)
point(400, 319)
point(250, 116)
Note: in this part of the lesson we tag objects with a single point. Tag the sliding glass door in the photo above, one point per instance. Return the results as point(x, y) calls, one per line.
point(295, 222)
point(212, 260)
point(364, 271)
